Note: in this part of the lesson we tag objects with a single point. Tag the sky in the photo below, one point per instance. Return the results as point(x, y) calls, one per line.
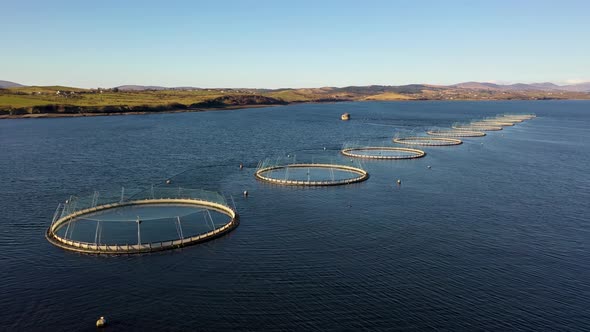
point(273, 44)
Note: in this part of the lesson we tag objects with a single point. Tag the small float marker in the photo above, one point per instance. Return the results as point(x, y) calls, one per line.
point(429, 167)
point(241, 166)
point(168, 181)
point(245, 193)
point(399, 182)
point(101, 322)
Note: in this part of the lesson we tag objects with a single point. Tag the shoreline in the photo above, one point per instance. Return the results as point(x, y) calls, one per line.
point(146, 112)
point(229, 107)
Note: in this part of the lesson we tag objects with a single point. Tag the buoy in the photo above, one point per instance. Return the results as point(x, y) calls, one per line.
point(241, 166)
point(168, 181)
point(429, 166)
point(245, 192)
point(324, 148)
point(101, 322)
point(399, 181)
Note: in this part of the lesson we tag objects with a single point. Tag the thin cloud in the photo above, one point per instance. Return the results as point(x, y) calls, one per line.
point(500, 82)
point(576, 81)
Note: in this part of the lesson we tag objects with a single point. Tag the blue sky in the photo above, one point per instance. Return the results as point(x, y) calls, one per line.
point(292, 44)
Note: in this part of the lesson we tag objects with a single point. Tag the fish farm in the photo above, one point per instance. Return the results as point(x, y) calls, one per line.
point(166, 217)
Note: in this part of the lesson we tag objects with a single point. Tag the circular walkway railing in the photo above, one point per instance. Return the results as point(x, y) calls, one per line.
point(96, 248)
point(359, 175)
point(456, 133)
point(383, 152)
point(428, 141)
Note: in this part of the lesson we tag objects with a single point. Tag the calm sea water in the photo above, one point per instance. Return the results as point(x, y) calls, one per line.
point(495, 236)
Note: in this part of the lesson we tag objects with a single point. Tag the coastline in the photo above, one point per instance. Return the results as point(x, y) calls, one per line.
point(159, 109)
point(138, 112)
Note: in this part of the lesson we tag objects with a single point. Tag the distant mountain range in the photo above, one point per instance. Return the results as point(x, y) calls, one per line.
point(7, 84)
point(546, 86)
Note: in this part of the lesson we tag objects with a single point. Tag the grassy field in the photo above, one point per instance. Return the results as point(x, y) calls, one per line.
point(44, 89)
point(291, 95)
point(388, 96)
point(48, 95)
point(15, 101)
point(34, 96)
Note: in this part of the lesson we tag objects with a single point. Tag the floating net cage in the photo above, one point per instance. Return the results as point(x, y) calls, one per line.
point(512, 118)
point(427, 141)
point(140, 221)
point(493, 123)
point(507, 120)
point(455, 133)
point(475, 127)
point(308, 170)
point(381, 152)
point(517, 116)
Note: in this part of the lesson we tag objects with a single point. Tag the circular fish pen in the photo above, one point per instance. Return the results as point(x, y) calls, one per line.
point(510, 120)
point(304, 174)
point(142, 222)
point(494, 123)
point(311, 168)
point(456, 133)
point(514, 118)
point(471, 127)
point(428, 141)
point(517, 116)
point(383, 152)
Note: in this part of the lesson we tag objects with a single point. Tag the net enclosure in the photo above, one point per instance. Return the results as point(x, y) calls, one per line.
point(511, 118)
point(382, 152)
point(455, 133)
point(140, 221)
point(476, 127)
point(428, 141)
point(520, 117)
point(318, 171)
point(492, 122)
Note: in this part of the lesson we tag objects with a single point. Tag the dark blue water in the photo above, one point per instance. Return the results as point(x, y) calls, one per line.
point(495, 236)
